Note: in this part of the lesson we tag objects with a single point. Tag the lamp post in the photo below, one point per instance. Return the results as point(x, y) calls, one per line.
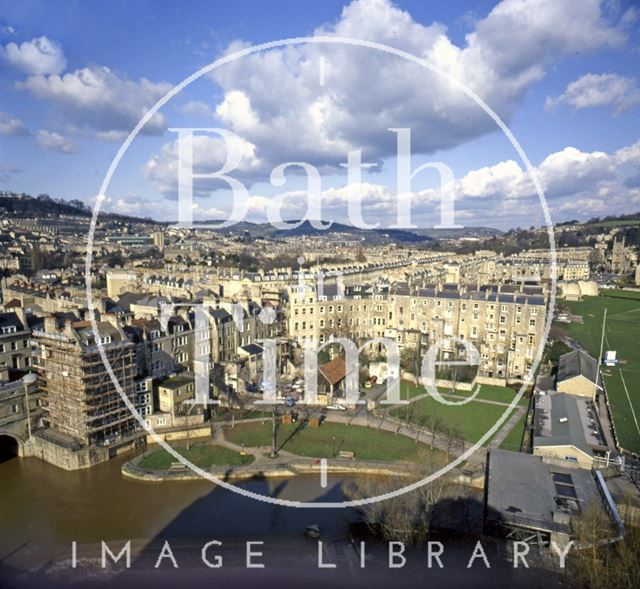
point(27, 380)
point(333, 454)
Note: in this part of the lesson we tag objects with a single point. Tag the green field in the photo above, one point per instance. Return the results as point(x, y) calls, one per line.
point(468, 422)
point(202, 454)
point(366, 443)
point(513, 440)
point(623, 335)
point(487, 392)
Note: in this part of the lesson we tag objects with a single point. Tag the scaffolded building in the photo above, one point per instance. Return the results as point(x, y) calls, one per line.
point(82, 401)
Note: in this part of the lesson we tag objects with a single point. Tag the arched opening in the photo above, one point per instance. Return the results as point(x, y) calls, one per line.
point(8, 448)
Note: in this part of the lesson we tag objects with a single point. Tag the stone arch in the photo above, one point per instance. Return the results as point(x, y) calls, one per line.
point(10, 446)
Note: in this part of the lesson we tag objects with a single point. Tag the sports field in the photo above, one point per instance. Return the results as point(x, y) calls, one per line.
point(622, 334)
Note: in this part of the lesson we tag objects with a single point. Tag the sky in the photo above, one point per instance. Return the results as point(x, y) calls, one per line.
point(563, 76)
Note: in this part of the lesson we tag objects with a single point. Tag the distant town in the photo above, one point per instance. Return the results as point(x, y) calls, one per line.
point(569, 448)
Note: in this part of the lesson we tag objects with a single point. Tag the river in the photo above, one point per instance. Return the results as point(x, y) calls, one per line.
point(44, 509)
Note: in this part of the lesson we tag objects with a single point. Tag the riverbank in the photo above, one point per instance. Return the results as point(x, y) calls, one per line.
point(281, 467)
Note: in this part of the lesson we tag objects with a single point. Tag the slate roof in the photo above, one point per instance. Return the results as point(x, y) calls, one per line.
point(580, 426)
point(11, 320)
point(253, 349)
point(521, 491)
point(577, 363)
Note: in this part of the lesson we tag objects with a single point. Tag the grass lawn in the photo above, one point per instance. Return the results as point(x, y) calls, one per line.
point(468, 422)
point(487, 392)
point(513, 441)
point(367, 443)
point(202, 454)
point(622, 334)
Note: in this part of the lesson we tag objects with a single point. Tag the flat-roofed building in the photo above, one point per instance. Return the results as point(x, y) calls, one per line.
point(566, 427)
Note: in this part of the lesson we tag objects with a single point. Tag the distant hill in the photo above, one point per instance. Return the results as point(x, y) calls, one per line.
point(627, 226)
point(266, 230)
point(25, 205)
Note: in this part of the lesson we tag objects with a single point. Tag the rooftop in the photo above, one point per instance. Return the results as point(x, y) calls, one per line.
point(177, 381)
point(525, 491)
point(562, 419)
point(577, 363)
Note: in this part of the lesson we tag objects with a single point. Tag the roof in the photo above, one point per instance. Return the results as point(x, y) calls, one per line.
point(333, 372)
point(125, 300)
point(525, 491)
point(252, 349)
point(577, 363)
point(177, 381)
point(11, 320)
point(580, 426)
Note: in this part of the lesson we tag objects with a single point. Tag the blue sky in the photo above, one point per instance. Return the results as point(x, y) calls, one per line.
point(75, 77)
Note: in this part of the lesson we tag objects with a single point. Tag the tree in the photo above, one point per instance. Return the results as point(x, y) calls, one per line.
point(406, 518)
point(596, 563)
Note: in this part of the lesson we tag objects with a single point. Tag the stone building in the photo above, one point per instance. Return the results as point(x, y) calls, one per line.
point(506, 324)
point(15, 350)
point(82, 402)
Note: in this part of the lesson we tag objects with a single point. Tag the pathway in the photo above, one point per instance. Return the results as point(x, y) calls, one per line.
point(512, 422)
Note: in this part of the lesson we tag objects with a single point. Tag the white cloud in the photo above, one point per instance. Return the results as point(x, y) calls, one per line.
point(210, 153)
point(97, 98)
point(11, 125)
point(502, 194)
point(591, 90)
point(276, 102)
point(51, 141)
point(40, 56)
point(572, 180)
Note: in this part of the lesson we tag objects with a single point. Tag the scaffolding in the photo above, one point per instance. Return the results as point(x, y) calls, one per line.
point(82, 400)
